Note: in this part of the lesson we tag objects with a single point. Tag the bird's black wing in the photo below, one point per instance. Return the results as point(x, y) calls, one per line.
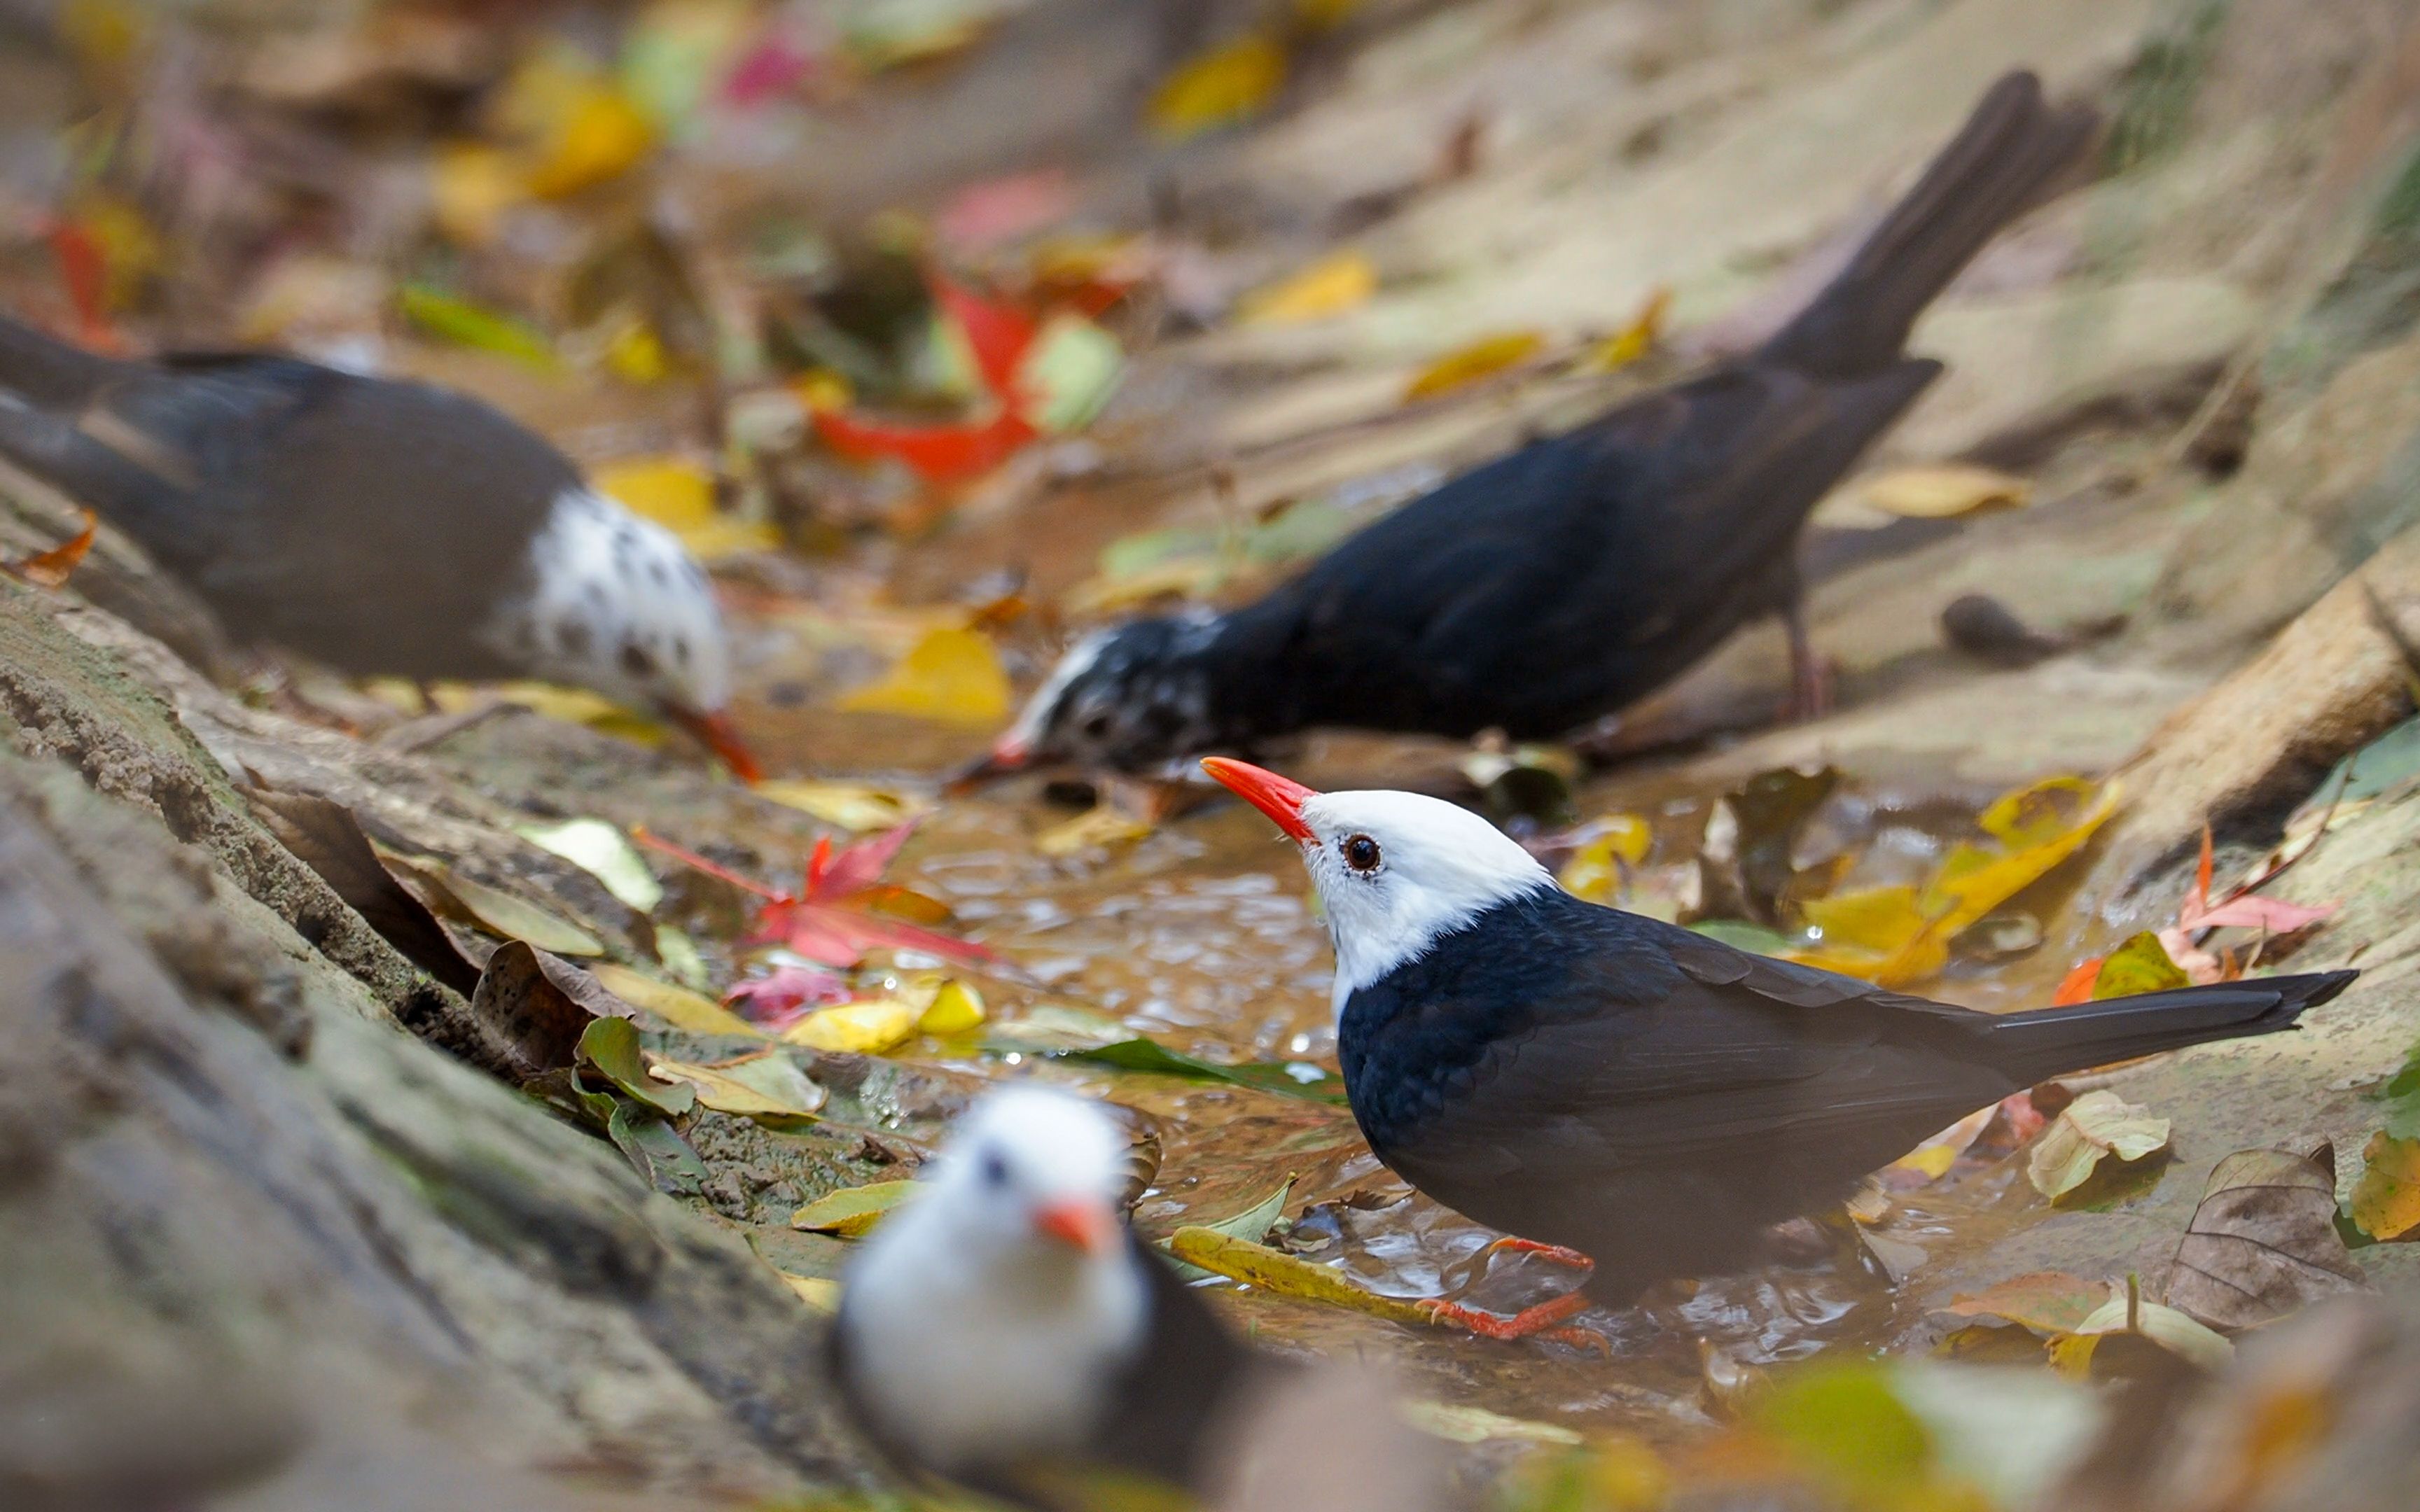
point(1579, 572)
point(1565, 1070)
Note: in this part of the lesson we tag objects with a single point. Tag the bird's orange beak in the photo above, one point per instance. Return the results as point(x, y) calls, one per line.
point(1086, 1228)
point(717, 733)
point(1281, 799)
point(1006, 755)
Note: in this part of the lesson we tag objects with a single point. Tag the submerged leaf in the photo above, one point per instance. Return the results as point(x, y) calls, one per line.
point(1457, 1424)
point(1288, 1275)
point(1295, 1079)
point(2099, 1123)
point(852, 1210)
point(2046, 1301)
point(951, 675)
point(2263, 1243)
point(1253, 1223)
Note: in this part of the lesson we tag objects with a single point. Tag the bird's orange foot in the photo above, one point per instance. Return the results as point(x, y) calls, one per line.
point(1551, 1254)
point(1544, 1320)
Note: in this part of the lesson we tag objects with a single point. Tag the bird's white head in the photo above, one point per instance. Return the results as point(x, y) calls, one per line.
point(618, 605)
point(1032, 1180)
point(1396, 871)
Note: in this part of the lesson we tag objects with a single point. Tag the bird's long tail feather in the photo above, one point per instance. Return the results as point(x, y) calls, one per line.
point(2051, 1040)
point(2010, 150)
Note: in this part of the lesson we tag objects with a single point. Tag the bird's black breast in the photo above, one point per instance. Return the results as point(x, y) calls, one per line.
point(1415, 1042)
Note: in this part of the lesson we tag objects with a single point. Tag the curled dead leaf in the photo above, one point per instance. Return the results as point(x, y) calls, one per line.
point(51, 568)
point(2095, 1126)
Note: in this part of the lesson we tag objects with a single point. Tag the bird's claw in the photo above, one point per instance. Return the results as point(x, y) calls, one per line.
point(1544, 1320)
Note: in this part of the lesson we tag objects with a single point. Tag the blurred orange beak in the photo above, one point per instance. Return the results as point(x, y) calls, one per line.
point(1086, 1228)
point(717, 733)
point(1003, 758)
point(1281, 799)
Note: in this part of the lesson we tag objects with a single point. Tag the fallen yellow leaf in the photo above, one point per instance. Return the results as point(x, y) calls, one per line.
point(2139, 965)
point(1474, 361)
point(678, 494)
point(1634, 340)
point(1896, 934)
point(1595, 870)
point(1227, 84)
point(718, 1088)
point(596, 136)
point(951, 675)
point(866, 1028)
point(852, 1210)
point(1104, 825)
point(471, 186)
point(2386, 1200)
point(686, 1011)
point(1338, 283)
point(820, 1293)
point(954, 1008)
point(850, 805)
point(1940, 492)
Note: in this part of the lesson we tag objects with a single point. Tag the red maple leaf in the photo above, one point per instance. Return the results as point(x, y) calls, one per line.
point(826, 920)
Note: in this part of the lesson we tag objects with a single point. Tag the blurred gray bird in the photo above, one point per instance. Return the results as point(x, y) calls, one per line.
point(379, 526)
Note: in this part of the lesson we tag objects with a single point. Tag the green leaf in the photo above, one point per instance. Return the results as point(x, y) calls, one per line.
point(2139, 965)
point(1848, 1422)
point(460, 320)
point(1151, 1056)
point(656, 1148)
point(611, 1045)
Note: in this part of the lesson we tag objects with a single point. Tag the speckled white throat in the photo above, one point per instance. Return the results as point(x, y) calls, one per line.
point(617, 604)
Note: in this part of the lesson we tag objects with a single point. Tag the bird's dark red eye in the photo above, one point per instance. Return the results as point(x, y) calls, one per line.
point(1360, 853)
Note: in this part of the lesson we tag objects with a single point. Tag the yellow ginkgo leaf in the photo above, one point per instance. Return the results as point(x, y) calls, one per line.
point(951, 675)
point(1228, 83)
point(1338, 283)
point(1474, 361)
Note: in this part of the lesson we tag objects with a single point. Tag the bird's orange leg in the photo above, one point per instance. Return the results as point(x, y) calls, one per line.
point(1544, 1320)
point(1551, 1254)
